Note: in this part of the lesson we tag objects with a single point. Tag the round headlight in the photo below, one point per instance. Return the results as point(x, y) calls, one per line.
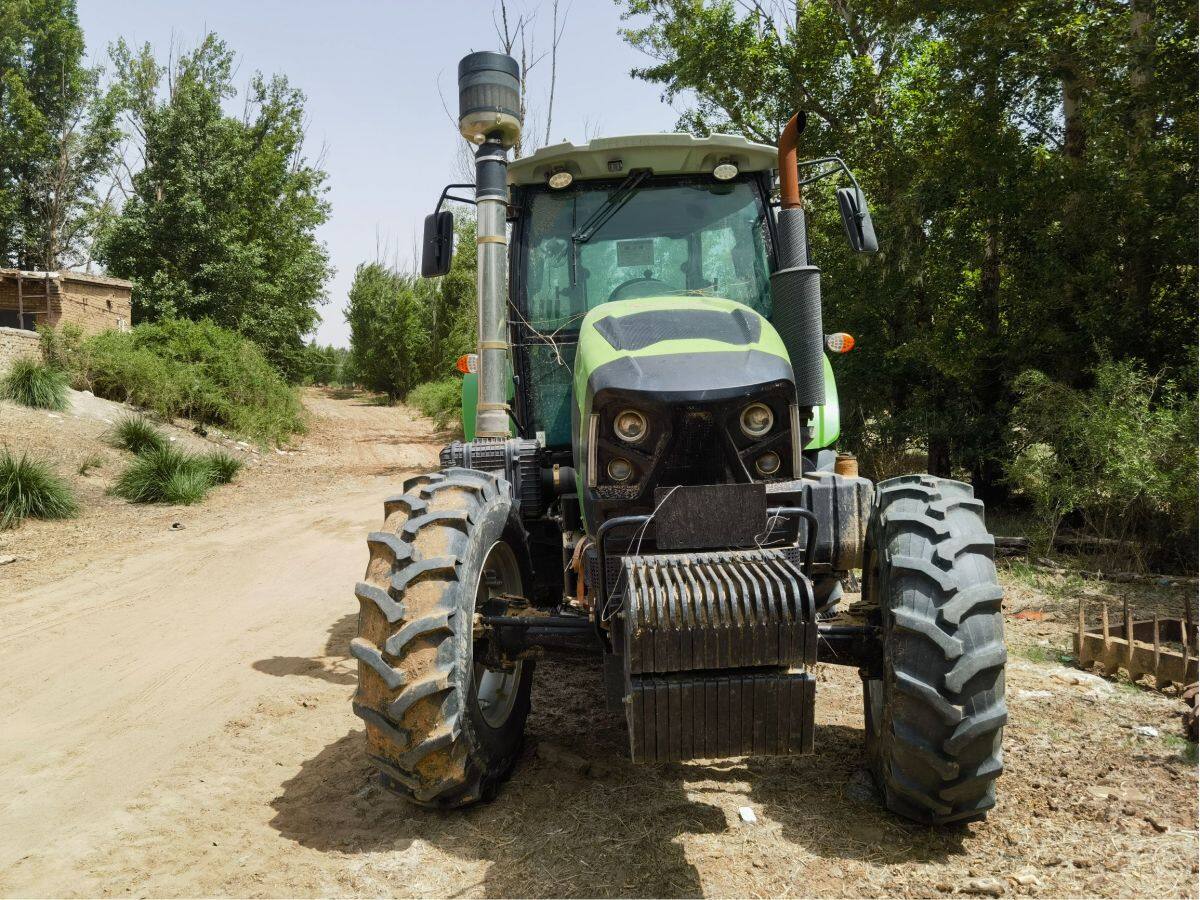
point(767, 464)
point(620, 469)
point(630, 426)
point(757, 420)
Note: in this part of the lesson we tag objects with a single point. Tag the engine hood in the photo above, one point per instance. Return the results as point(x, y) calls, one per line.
point(676, 348)
point(689, 364)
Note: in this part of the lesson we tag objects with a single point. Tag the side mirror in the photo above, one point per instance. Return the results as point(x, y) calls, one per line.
point(857, 219)
point(438, 245)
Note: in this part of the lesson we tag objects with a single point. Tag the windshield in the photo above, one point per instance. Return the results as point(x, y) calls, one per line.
point(701, 239)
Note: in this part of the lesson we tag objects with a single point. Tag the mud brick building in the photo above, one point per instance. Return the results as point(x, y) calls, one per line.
point(93, 302)
point(28, 299)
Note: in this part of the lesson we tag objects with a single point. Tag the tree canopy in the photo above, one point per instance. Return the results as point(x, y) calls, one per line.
point(58, 136)
point(406, 330)
point(223, 212)
point(1031, 168)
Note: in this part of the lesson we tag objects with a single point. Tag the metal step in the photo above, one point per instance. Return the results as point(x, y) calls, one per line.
point(673, 718)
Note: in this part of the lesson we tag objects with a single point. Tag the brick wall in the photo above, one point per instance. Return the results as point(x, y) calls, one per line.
point(94, 306)
point(35, 307)
point(15, 343)
point(92, 302)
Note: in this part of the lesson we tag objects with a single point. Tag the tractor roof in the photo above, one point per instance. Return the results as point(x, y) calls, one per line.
point(664, 154)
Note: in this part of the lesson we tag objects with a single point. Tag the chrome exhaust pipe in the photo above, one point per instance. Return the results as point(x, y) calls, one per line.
point(489, 103)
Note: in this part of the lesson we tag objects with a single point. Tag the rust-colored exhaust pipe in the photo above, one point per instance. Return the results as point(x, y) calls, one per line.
point(793, 240)
point(795, 285)
point(789, 176)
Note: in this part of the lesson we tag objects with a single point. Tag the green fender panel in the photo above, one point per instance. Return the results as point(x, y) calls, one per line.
point(827, 419)
point(470, 400)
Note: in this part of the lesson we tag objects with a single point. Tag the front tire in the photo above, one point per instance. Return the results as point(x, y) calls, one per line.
point(935, 719)
point(442, 730)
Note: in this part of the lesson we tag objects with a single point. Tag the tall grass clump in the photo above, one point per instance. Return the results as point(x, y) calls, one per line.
point(186, 485)
point(137, 434)
point(197, 370)
point(31, 382)
point(440, 400)
point(167, 475)
point(222, 468)
point(30, 490)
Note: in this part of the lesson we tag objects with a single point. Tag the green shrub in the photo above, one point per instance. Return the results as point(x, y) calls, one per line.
point(115, 368)
point(155, 477)
point(222, 468)
point(193, 369)
point(29, 489)
point(186, 485)
point(167, 475)
point(1119, 457)
point(440, 400)
point(36, 384)
point(137, 434)
point(325, 365)
point(62, 348)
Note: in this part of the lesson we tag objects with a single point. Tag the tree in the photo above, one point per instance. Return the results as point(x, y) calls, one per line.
point(387, 342)
point(406, 330)
point(58, 136)
point(222, 215)
point(1012, 238)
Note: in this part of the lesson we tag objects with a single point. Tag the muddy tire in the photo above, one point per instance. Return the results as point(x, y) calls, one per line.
point(442, 731)
point(935, 719)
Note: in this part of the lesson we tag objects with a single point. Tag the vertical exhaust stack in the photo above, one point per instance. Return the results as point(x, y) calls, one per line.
point(489, 104)
point(796, 286)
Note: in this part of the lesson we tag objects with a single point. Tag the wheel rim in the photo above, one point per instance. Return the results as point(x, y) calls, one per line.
point(495, 689)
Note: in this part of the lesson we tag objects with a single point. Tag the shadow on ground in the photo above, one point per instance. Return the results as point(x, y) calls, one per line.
point(631, 831)
point(334, 665)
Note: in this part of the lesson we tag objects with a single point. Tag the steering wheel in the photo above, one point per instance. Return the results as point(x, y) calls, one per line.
point(644, 286)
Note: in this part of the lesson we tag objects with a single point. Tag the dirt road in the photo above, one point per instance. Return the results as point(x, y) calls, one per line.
point(177, 722)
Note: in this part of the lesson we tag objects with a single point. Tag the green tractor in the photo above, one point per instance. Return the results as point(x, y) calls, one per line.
point(649, 475)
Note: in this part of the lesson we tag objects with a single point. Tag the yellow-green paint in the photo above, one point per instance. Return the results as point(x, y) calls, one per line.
point(827, 419)
point(594, 350)
point(470, 403)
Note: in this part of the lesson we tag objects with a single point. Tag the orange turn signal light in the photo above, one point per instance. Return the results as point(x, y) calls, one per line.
point(839, 343)
point(468, 363)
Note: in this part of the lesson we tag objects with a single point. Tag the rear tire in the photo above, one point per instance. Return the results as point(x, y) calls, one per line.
point(442, 731)
point(935, 720)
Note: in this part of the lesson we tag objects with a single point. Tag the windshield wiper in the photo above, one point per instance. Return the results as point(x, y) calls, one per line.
point(618, 198)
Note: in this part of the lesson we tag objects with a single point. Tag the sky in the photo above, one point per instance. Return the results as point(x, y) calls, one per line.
point(371, 70)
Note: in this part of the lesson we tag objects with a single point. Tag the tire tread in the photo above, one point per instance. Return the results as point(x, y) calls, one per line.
point(941, 755)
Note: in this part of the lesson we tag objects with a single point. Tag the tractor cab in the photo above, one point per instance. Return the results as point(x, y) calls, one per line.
point(667, 216)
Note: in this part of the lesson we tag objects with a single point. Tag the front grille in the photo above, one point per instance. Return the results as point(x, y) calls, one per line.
point(616, 551)
point(695, 454)
point(732, 610)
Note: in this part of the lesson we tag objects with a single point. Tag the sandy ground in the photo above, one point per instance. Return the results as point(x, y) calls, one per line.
point(177, 723)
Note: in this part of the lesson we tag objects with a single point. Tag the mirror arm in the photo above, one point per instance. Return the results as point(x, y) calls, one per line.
point(446, 195)
point(839, 165)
